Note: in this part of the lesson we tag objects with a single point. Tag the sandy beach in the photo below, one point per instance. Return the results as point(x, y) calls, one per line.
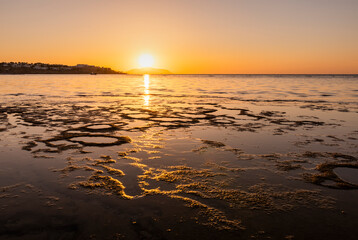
point(139, 157)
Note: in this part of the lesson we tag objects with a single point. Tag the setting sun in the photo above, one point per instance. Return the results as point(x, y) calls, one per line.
point(146, 60)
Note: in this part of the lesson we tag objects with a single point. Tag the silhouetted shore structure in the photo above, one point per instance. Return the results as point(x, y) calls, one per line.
point(43, 68)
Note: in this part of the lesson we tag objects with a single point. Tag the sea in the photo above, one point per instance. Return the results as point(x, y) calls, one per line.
point(178, 156)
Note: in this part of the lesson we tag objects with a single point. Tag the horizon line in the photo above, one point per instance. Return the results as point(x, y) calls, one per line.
point(125, 72)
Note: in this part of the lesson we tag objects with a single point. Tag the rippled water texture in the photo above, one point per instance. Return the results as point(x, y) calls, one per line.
point(178, 157)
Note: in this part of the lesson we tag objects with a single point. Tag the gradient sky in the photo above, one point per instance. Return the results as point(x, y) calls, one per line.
point(185, 36)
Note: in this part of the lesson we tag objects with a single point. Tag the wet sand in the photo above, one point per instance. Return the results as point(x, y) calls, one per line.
point(159, 163)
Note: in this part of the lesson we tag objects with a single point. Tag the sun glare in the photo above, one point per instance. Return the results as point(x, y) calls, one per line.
point(146, 60)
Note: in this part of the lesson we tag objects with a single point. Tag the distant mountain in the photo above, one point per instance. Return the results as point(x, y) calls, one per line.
point(148, 71)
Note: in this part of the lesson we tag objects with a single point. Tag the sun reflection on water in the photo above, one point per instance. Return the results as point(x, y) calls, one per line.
point(146, 81)
point(146, 96)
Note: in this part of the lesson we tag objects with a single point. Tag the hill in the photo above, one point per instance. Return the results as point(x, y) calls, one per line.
point(44, 68)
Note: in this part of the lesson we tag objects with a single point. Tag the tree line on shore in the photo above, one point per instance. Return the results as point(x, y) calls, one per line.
point(43, 68)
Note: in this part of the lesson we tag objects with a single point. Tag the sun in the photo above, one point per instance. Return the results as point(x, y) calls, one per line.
point(146, 60)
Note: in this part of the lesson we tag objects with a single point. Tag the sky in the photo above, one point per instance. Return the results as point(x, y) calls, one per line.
point(185, 36)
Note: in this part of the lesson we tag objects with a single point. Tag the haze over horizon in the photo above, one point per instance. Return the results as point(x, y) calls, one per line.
point(212, 36)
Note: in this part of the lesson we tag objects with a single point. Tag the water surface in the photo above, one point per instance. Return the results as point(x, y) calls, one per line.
point(178, 156)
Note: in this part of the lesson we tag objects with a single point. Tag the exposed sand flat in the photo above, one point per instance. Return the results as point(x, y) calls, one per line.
point(187, 164)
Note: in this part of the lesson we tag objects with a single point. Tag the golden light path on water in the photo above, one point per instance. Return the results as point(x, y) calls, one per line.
point(146, 96)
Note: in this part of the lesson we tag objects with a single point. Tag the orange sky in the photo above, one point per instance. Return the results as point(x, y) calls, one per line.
point(186, 36)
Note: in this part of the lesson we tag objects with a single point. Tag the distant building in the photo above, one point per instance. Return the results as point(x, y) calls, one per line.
point(38, 67)
point(66, 68)
point(84, 66)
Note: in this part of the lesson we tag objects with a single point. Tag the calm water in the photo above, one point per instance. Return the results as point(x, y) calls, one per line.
point(242, 87)
point(178, 157)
